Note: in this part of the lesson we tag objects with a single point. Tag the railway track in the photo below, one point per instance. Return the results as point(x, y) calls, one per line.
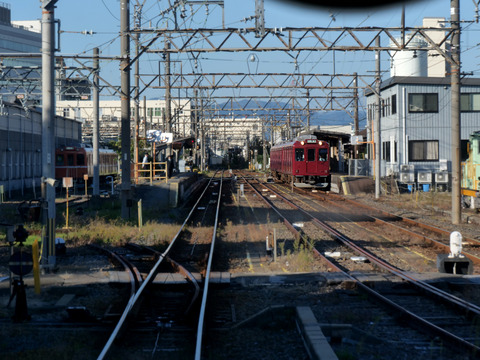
point(165, 312)
point(443, 315)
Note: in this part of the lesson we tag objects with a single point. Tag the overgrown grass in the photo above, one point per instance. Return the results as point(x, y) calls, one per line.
point(100, 223)
point(116, 232)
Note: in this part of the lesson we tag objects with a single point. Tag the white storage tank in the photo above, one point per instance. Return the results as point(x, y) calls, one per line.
point(410, 62)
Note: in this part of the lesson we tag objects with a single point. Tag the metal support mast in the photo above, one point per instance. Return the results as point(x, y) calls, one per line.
point(355, 112)
point(168, 99)
point(96, 127)
point(376, 129)
point(259, 19)
point(125, 105)
point(456, 133)
point(137, 24)
point(48, 130)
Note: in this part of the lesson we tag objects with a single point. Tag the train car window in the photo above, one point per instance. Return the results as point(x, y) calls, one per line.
point(310, 154)
point(70, 160)
point(80, 159)
point(299, 155)
point(60, 159)
point(322, 154)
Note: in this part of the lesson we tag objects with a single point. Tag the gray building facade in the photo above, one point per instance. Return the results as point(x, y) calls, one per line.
point(21, 146)
point(415, 125)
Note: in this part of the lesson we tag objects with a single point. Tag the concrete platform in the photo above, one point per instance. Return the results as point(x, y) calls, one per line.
point(351, 185)
point(170, 194)
point(314, 339)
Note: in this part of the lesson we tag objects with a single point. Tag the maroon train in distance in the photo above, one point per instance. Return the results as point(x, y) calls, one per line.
point(305, 162)
point(75, 162)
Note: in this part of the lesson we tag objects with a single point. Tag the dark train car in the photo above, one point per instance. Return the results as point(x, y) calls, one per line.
point(75, 162)
point(303, 161)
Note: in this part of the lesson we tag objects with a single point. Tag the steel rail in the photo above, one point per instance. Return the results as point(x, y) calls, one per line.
point(451, 299)
point(400, 218)
point(178, 267)
point(467, 306)
point(119, 259)
point(298, 234)
point(475, 259)
point(198, 347)
point(134, 299)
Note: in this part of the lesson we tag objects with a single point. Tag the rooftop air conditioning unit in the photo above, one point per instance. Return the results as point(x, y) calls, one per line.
point(408, 177)
point(404, 168)
point(441, 178)
point(424, 177)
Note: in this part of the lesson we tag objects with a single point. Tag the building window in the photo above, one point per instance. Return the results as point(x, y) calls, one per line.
point(422, 103)
point(370, 112)
point(464, 147)
point(423, 150)
point(394, 104)
point(469, 102)
point(66, 112)
point(386, 147)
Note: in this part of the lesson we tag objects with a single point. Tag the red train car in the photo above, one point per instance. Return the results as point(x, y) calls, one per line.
point(303, 161)
point(75, 162)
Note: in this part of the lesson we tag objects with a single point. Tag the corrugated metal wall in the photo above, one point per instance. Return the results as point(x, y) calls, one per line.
point(21, 144)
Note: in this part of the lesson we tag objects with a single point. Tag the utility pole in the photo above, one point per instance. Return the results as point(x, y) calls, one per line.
point(195, 129)
point(202, 137)
point(125, 106)
point(308, 110)
point(456, 126)
point(96, 127)
point(48, 131)
point(264, 157)
point(248, 149)
point(355, 112)
point(168, 101)
point(259, 19)
point(376, 130)
point(137, 25)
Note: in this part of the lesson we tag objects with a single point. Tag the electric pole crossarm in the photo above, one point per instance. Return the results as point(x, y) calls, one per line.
point(46, 4)
point(437, 47)
point(313, 39)
point(115, 89)
point(263, 80)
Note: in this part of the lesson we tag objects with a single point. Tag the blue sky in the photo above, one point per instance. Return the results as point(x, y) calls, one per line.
point(102, 17)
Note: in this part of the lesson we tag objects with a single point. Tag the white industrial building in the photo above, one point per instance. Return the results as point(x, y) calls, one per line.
point(110, 117)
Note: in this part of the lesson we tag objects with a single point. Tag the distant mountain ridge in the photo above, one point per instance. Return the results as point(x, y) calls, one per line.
point(317, 118)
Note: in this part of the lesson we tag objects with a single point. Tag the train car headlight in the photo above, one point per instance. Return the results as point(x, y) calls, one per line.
point(302, 142)
point(320, 143)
